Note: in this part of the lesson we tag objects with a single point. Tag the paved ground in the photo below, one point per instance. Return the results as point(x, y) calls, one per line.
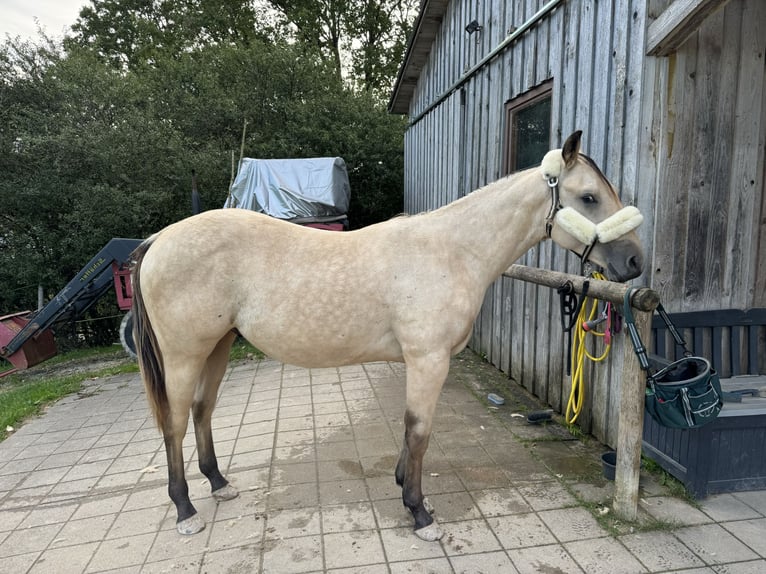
point(82, 488)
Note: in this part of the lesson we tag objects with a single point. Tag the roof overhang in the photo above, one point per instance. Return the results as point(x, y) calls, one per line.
point(419, 47)
point(676, 23)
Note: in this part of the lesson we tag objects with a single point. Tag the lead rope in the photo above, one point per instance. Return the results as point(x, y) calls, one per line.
point(587, 321)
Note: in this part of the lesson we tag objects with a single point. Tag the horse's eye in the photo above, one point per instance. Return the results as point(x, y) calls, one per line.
point(589, 199)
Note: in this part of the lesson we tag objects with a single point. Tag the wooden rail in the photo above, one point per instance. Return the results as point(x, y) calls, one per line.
point(632, 383)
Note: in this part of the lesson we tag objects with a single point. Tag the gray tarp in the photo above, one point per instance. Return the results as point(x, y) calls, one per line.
point(292, 188)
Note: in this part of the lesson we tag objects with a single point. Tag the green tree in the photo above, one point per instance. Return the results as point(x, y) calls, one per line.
point(137, 33)
point(362, 39)
point(99, 136)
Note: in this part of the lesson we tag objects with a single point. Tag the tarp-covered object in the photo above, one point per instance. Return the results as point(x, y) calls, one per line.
point(293, 189)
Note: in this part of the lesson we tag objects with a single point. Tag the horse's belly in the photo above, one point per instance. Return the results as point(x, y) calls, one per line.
point(317, 342)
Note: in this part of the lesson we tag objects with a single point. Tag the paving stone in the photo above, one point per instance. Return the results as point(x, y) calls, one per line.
point(603, 556)
point(26, 540)
point(482, 563)
point(751, 567)
point(342, 491)
point(391, 513)
point(18, 563)
point(9, 481)
point(521, 530)
point(660, 551)
point(184, 564)
point(345, 517)
point(501, 501)
point(83, 530)
point(547, 496)
point(69, 560)
point(133, 522)
point(547, 558)
point(568, 524)
point(342, 469)
point(383, 487)
point(293, 555)
point(293, 523)
point(47, 477)
point(11, 519)
point(468, 537)
point(121, 553)
point(169, 544)
point(442, 482)
point(751, 532)
point(454, 506)
point(296, 473)
point(723, 507)
point(475, 477)
point(355, 548)
point(401, 544)
point(367, 569)
point(714, 545)
point(242, 559)
point(755, 499)
point(294, 496)
point(673, 511)
point(431, 566)
point(49, 514)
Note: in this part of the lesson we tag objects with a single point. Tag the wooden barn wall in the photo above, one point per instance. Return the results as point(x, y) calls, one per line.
point(595, 65)
point(710, 125)
point(675, 134)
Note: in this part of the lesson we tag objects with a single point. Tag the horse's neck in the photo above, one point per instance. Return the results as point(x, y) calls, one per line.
point(497, 224)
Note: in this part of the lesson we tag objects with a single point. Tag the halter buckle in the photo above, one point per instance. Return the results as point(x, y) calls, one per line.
point(553, 184)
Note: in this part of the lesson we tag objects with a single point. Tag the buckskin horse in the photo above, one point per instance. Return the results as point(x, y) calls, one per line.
point(408, 289)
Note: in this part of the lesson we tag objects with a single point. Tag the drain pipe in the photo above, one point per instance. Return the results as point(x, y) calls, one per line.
point(534, 19)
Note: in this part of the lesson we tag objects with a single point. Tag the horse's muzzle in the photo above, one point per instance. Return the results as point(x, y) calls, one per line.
point(626, 261)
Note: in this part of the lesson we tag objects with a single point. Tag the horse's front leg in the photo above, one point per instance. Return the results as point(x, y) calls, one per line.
point(425, 378)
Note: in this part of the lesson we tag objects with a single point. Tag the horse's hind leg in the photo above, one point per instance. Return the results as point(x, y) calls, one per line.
point(180, 391)
point(202, 411)
point(425, 377)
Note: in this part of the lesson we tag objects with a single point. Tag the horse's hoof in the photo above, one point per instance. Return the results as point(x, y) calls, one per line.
point(191, 525)
point(225, 493)
point(428, 506)
point(430, 533)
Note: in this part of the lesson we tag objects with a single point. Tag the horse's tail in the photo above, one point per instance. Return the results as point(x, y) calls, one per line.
point(147, 349)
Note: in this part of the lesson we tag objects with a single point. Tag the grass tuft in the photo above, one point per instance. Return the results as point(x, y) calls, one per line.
point(20, 400)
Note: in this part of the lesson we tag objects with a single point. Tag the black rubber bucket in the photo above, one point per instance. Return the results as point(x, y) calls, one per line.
point(608, 462)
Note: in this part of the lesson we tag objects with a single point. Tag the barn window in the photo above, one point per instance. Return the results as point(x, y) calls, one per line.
point(528, 128)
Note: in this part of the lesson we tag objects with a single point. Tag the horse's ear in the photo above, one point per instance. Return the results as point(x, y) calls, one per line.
point(571, 148)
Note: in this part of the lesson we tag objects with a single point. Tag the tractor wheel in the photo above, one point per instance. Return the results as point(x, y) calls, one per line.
point(126, 334)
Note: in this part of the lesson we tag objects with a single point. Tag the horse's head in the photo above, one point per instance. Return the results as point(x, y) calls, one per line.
point(586, 215)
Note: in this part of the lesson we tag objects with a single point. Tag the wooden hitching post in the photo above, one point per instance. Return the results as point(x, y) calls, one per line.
point(631, 424)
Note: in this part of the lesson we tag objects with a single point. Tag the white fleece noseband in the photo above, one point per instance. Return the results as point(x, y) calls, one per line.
point(574, 223)
point(586, 232)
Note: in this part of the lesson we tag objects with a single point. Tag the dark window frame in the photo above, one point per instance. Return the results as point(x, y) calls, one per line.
point(514, 106)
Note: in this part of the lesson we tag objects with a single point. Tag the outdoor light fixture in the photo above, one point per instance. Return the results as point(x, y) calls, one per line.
point(474, 26)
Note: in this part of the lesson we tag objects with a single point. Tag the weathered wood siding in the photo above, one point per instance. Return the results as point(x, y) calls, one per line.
point(642, 119)
point(708, 154)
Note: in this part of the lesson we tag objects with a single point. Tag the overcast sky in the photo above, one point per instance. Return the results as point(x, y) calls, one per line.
point(17, 17)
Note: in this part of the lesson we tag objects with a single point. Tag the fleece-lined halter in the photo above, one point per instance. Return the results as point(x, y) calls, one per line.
point(577, 225)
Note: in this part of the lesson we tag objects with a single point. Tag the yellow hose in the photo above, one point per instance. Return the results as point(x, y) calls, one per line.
point(579, 352)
